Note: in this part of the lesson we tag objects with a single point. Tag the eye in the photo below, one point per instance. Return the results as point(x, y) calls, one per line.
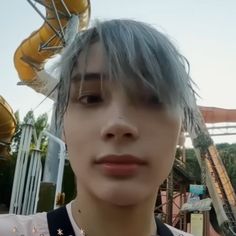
point(90, 99)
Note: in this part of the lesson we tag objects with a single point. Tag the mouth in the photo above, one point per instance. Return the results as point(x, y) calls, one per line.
point(120, 165)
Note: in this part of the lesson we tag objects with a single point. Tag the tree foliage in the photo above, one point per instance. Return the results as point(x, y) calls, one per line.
point(203, 141)
point(192, 165)
point(40, 123)
point(228, 156)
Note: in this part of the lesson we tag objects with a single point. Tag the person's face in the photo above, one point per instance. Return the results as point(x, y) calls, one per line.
point(120, 149)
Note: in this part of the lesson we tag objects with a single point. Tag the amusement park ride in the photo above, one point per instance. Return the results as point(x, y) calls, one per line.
point(42, 44)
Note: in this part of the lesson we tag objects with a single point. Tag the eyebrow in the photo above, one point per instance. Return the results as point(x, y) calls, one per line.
point(87, 77)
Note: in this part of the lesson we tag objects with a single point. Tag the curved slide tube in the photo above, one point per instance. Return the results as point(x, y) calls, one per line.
point(7, 126)
point(31, 55)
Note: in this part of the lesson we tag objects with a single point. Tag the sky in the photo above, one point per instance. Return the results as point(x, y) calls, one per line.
point(203, 30)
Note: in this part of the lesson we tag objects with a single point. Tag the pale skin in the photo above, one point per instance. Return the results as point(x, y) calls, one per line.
point(107, 122)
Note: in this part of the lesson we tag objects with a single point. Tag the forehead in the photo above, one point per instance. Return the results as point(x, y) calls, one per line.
point(91, 61)
point(93, 65)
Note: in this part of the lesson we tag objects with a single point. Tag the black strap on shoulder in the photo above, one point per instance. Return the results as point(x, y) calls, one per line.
point(162, 229)
point(59, 222)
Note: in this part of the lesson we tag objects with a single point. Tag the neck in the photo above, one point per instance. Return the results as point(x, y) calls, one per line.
point(98, 218)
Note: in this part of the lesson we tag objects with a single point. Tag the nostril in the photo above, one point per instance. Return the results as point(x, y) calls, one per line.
point(128, 135)
point(109, 135)
point(118, 130)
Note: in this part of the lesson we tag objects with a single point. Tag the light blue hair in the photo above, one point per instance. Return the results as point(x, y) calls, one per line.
point(136, 53)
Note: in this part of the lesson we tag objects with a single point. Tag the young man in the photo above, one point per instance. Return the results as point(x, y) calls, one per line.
point(123, 96)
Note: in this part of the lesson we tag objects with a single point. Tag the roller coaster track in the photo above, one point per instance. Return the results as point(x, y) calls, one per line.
point(223, 187)
point(217, 181)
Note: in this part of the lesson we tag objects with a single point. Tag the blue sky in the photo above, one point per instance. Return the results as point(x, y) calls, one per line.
point(203, 30)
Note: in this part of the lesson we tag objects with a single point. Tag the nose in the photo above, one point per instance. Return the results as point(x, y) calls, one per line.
point(119, 129)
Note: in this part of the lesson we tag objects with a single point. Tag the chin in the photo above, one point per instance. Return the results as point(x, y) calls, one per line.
point(123, 197)
point(125, 202)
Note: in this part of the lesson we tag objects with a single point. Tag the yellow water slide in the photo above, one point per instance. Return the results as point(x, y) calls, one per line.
point(48, 40)
point(7, 127)
point(217, 179)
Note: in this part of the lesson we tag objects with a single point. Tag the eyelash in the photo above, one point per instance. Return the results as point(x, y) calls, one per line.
point(96, 98)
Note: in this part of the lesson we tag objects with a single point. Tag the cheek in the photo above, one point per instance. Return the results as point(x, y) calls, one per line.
point(75, 139)
point(76, 129)
point(81, 137)
point(163, 147)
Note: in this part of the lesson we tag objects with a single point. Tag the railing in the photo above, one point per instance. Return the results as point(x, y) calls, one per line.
point(28, 171)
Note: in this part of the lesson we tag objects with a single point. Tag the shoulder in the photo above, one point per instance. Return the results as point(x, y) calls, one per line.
point(11, 224)
point(177, 232)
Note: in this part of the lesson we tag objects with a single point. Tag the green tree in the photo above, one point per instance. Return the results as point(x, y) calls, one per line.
point(228, 156)
point(192, 164)
point(41, 124)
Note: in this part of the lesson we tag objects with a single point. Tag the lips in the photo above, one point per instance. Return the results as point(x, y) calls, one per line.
point(120, 165)
point(120, 159)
